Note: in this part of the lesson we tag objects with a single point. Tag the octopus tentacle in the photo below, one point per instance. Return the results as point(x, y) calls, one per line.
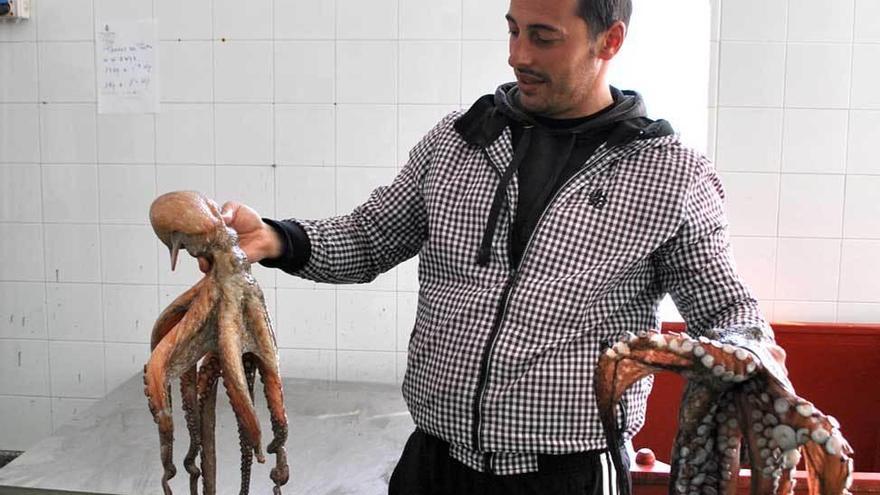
point(172, 315)
point(267, 361)
point(207, 322)
point(247, 452)
point(230, 346)
point(209, 372)
point(190, 401)
point(694, 451)
point(731, 397)
point(167, 361)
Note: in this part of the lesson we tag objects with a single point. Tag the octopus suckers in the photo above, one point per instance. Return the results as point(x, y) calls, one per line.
point(820, 435)
point(658, 340)
point(832, 446)
point(785, 436)
point(805, 409)
point(781, 405)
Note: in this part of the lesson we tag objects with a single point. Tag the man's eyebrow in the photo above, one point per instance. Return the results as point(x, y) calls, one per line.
point(542, 27)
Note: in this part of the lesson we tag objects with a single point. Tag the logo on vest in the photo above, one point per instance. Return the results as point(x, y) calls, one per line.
point(597, 199)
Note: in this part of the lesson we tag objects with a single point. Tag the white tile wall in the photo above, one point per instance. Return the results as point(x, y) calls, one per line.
point(233, 58)
point(22, 310)
point(430, 19)
point(806, 87)
point(126, 192)
point(73, 252)
point(293, 84)
point(306, 319)
point(305, 134)
point(63, 20)
point(807, 269)
point(20, 193)
point(821, 20)
point(185, 20)
point(866, 76)
point(301, 108)
point(252, 20)
point(866, 26)
point(67, 71)
point(811, 205)
point(77, 369)
point(356, 19)
point(24, 365)
point(185, 134)
point(814, 141)
point(122, 361)
point(304, 19)
point(860, 271)
point(129, 312)
point(366, 71)
point(18, 68)
point(243, 134)
point(862, 215)
point(187, 71)
point(752, 203)
point(20, 139)
point(68, 133)
point(126, 138)
point(751, 74)
point(749, 139)
point(74, 312)
point(70, 193)
point(740, 22)
point(439, 82)
point(366, 366)
point(24, 244)
point(864, 133)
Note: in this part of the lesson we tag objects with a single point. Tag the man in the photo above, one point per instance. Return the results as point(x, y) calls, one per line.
point(550, 218)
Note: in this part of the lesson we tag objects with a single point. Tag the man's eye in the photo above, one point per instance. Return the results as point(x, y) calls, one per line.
point(512, 32)
point(541, 41)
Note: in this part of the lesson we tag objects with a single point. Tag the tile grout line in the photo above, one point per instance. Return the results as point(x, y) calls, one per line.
point(335, 176)
point(781, 155)
point(45, 305)
point(846, 163)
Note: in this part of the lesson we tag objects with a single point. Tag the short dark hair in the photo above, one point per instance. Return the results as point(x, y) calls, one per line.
point(601, 14)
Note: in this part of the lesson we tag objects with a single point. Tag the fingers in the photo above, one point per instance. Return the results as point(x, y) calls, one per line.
point(228, 211)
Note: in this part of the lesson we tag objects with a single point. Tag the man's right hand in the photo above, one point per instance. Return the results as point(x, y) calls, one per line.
point(255, 237)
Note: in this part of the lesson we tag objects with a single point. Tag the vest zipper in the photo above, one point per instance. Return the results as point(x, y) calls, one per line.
point(483, 380)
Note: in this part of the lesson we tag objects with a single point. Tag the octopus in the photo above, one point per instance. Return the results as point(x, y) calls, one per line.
point(217, 330)
point(738, 406)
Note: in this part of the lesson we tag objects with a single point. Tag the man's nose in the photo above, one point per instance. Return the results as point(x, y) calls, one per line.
point(520, 55)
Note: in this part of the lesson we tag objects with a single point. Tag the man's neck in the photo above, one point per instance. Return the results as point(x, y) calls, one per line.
point(598, 100)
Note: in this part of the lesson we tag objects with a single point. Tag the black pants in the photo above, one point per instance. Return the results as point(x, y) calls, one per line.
point(425, 468)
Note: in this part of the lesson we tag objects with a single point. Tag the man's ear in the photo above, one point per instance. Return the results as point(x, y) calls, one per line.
point(610, 42)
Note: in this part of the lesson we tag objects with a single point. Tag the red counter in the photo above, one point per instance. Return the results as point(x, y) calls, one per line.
point(835, 366)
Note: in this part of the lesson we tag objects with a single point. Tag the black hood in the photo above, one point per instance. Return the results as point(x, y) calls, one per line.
point(484, 122)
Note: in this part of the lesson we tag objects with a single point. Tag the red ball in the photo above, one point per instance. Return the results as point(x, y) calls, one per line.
point(645, 457)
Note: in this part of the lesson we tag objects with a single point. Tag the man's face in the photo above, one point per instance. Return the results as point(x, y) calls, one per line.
point(552, 55)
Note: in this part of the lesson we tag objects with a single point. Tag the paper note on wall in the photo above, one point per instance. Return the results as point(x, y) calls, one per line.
point(127, 65)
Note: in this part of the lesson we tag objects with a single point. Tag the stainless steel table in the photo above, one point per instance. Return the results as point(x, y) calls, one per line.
point(345, 438)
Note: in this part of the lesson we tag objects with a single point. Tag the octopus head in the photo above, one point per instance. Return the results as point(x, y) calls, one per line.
point(189, 220)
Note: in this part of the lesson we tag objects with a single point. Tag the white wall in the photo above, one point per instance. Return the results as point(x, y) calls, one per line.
point(798, 120)
point(302, 110)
